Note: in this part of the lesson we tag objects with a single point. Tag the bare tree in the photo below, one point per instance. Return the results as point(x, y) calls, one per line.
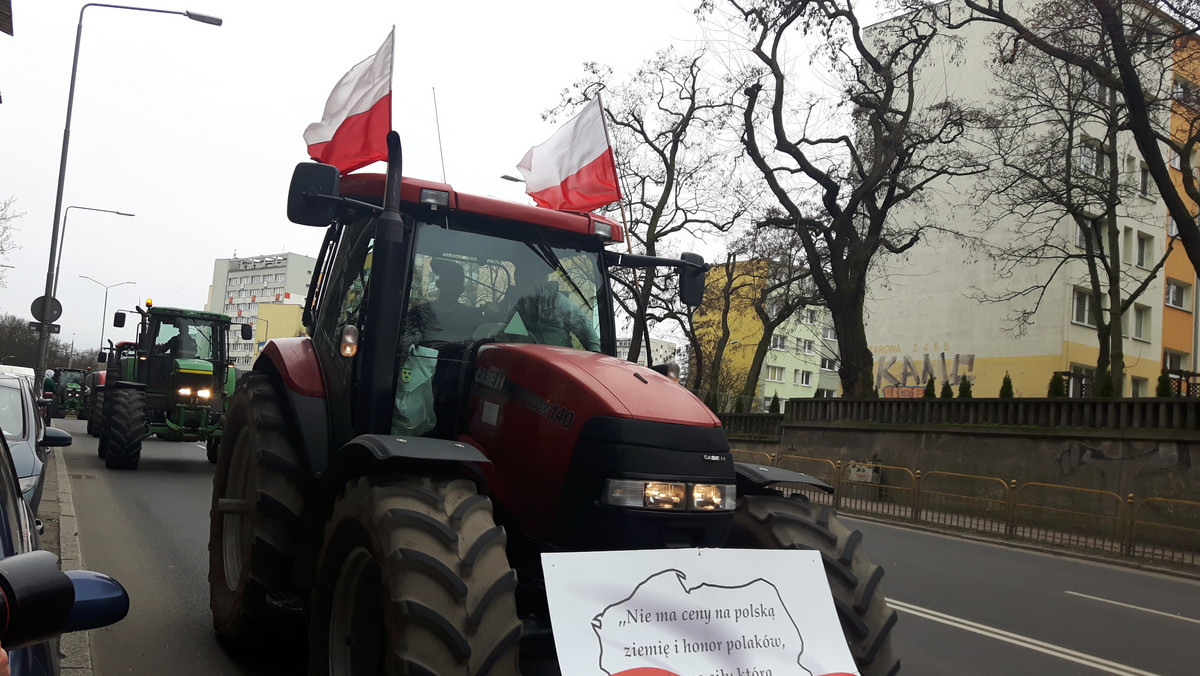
point(677, 176)
point(8, 217)
point(836, 184)
point(1054, 133)
point(1136, 48)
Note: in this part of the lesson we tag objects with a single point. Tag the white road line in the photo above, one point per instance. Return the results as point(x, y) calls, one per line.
point(1022, 641)
point(1133, 607)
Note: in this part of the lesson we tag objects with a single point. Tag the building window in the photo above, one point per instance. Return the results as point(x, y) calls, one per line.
point(1138, 387)
point(810, 316)
point(1172, 227)
point(1144, 184)
point(1174, 159)
point(825, 394)
point(1145, 251)
point(1091, 159)
point(808, 347)
point(803, 378)
point(1082, 311)
point(778, 342)
point(775, 374)
point(1177, 295)
point(1141, 322)
point(1081, 236)
point(1173, 361)
point(828, 364)
point(829, 333)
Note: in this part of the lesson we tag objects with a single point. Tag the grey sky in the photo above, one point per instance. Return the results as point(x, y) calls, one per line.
point(195, 129)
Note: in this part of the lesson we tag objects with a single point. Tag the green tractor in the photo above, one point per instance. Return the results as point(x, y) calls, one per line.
point(68, 393)
point(175, 383)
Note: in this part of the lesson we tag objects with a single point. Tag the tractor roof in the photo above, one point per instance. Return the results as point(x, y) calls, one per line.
point(371, 186)
point(193, 314)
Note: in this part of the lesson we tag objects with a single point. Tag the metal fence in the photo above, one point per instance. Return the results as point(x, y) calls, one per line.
point(1155, 529)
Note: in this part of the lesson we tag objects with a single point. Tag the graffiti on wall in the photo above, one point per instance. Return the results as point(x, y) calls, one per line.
point(901, 377)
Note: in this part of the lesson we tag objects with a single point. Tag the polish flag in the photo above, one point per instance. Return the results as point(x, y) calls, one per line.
point(352, 132)
point(574, 169)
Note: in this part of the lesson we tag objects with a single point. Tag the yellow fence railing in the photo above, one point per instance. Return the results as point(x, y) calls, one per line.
point(1157, 529)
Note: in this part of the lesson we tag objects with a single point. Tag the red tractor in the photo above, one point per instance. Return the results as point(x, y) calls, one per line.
point(391, 479)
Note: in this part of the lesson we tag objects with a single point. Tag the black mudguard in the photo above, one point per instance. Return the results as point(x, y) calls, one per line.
point(753, 478)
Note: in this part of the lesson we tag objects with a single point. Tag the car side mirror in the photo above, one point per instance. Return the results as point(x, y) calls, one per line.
point(52, 436)
point(691, 279)
point(119, 320)
point(40, 601)
point(313, 194)
point(247, 332)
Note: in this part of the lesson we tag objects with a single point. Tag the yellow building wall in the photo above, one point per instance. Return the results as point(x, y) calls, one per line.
point(1178, 326)
point(277, 321)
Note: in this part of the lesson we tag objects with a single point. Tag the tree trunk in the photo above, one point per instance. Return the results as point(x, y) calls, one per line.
point(856, 360)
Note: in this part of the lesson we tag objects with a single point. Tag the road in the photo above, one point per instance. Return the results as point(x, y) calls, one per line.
point(966, 607)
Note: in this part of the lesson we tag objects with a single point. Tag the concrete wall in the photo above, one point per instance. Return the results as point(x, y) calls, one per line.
point(1112, 462)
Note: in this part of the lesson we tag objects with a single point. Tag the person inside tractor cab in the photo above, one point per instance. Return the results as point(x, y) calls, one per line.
point(452, 320)
point(536, 308)
point(181, 345)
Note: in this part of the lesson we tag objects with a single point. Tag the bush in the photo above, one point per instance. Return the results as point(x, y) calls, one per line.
point(930, 389)
point(1006, 388)
point(947, 391)
point(738, 406)
point(1163, 388)
point(1105, 386)
point(774, 407)
point(1058, 387)
point(964, 388)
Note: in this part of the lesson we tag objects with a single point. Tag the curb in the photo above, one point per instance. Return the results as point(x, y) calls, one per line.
point(75, 649)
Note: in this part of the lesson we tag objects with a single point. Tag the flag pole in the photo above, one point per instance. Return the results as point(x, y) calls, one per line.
point(620, 202)
point(438, 120)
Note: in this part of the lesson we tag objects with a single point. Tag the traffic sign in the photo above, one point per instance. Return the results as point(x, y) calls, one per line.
point(37, 326)
point(46, 308)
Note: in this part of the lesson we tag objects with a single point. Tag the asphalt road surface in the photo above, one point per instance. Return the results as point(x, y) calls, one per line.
point(967, 608)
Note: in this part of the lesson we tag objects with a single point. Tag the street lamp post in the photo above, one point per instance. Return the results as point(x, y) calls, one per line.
point(62, 239)
point(51, 267)
point(104, 312)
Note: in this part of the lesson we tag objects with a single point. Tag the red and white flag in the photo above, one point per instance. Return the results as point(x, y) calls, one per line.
point(575, 168)
point(353, 131)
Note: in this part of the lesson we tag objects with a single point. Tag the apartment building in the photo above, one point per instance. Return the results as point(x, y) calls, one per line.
point(242, 286)
point(940, 311)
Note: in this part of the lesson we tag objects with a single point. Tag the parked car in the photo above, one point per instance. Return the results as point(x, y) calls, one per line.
point(29, 438)
point(42, 602)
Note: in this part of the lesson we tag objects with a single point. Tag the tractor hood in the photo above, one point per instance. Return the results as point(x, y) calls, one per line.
point(193, 366)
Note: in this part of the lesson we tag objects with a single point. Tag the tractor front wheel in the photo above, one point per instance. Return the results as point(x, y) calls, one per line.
point(771, 522)
point(124, 428)
point(96, 415)
point(413, 579)
point(254, 521)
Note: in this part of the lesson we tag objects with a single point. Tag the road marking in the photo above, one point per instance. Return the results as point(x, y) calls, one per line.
point(1022, 641)
point(1133, 607)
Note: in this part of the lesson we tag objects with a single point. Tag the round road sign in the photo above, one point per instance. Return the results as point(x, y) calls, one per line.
point(46, 309)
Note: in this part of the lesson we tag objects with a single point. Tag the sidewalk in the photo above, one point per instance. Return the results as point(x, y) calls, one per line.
point(61, 536)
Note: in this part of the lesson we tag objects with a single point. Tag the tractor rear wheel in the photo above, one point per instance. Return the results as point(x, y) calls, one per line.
point(96, 416)
point(124, 428)
point(413, 579)
point(254, 521)
point(771, 522)
point(212, 448)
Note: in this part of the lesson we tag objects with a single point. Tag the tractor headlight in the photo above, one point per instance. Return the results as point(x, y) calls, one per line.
point(185, 391)
point(668, 495)
point(713, 497)
point(204, 393)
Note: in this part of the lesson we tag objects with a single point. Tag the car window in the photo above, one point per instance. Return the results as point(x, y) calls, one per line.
point(10, 506)
point(12, 413)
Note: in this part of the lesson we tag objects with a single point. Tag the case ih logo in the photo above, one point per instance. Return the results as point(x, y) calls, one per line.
point(490, 379)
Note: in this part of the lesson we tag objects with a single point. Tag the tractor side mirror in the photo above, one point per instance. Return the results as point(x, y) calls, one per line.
point(691, 279)
point(247, 332)
point(313, 195)
point(119, 320)
point(102, 357)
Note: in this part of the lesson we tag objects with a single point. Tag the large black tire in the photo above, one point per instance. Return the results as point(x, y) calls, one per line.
point(124, 429)
point(96, 415)
point(413, 579)
point(770, 522)
point(254, 521)
point(212, 448)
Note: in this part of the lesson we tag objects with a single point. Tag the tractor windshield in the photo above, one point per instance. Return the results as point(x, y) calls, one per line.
point(469, 286)
point(189, 338)
point(71, 378)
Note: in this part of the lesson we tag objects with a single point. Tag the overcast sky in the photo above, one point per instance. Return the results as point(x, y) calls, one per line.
point(195, 129)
